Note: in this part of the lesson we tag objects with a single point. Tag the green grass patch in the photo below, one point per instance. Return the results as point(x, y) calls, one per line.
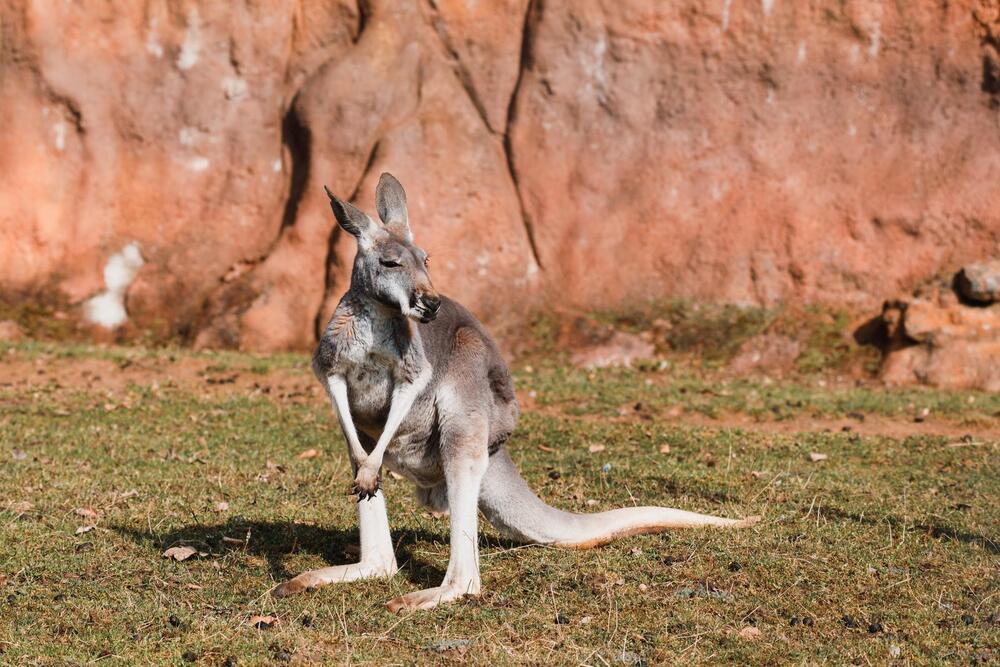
point(889, 546)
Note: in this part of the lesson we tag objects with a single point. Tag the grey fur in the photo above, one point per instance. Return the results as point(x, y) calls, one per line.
point(430, 396)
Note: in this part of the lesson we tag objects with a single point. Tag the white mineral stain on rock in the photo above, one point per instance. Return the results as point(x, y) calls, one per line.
point(234, 87)
point(801, 55)
point(197, 163)
point(767, 6)
point(855, 54)
point(726, 5)
point(153, 46)
point(276, 165)
point(107, 309)
point(191, 48)
point(875, 40)
point(187, 136)
point(59, 132)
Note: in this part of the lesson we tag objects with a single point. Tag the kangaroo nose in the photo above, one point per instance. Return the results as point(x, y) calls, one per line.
point(432, 303)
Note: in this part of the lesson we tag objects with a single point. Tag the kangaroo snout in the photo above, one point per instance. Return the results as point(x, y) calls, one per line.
point(427, 305)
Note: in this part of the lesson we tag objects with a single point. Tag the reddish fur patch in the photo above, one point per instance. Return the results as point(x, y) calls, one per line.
point(467, 340)
point(343, 326)
point(643, 530)
point(611, 537)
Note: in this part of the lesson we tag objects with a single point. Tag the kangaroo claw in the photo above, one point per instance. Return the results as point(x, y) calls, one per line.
point(367, 492)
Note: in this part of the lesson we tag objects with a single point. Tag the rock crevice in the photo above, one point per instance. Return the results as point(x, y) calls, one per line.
point(576, 155)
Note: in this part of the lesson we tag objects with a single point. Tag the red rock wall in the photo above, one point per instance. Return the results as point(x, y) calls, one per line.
point(578, 154)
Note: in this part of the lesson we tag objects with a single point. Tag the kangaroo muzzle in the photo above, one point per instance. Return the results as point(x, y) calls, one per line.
point(427, 305)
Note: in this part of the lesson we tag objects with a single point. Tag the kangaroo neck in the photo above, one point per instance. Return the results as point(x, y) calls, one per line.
point(386, 320)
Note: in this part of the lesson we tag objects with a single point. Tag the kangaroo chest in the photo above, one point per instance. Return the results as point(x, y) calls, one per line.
point(370, 383)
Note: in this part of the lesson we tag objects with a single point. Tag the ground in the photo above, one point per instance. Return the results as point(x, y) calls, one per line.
point(880, 534)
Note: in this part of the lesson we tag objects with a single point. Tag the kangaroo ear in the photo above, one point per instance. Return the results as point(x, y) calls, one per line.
point(390, 200)
point(354, 221)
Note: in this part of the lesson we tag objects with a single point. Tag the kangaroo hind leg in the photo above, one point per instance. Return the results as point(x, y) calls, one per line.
point(377, 558)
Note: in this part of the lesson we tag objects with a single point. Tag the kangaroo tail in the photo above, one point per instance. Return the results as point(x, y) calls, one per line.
point(513, 509)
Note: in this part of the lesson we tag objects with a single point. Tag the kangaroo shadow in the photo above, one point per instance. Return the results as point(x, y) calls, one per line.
point(276, 540)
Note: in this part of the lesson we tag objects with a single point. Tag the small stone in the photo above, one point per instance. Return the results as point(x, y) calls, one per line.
point(793, 621)
point(174, 621)
point(895, 651)
point(807, 621)
point(874, 628)
point(980, 282)
point(554, 474)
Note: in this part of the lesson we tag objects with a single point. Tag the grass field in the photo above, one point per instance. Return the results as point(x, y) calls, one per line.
point(889, 547)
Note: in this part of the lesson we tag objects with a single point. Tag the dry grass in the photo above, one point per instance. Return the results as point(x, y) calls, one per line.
point(898, 533)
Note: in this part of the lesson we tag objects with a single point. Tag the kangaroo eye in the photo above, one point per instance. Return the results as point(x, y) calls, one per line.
point(388, 263)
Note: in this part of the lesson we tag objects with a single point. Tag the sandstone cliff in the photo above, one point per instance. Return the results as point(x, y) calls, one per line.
point(168, 157)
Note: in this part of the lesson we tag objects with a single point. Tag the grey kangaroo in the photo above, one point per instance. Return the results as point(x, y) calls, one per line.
point(419, 385)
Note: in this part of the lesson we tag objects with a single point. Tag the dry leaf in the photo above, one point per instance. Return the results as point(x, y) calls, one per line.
point(750, 632)
point(546, 449)
point(594, 449)
point(395, 475)
point(182, 553)
point(222, 506)
point(232, 540)
point(21, 507)
point(309, 454)
point(664, 449)
point(816, 456)
point(193, 587)
point(3, 579)
point(86, 513)
point(84, 529)
point(263, 622)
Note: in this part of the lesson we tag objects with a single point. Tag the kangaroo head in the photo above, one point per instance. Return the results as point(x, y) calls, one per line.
point(388, 267)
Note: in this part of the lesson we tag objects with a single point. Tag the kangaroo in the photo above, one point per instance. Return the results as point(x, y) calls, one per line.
point(418, 384)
